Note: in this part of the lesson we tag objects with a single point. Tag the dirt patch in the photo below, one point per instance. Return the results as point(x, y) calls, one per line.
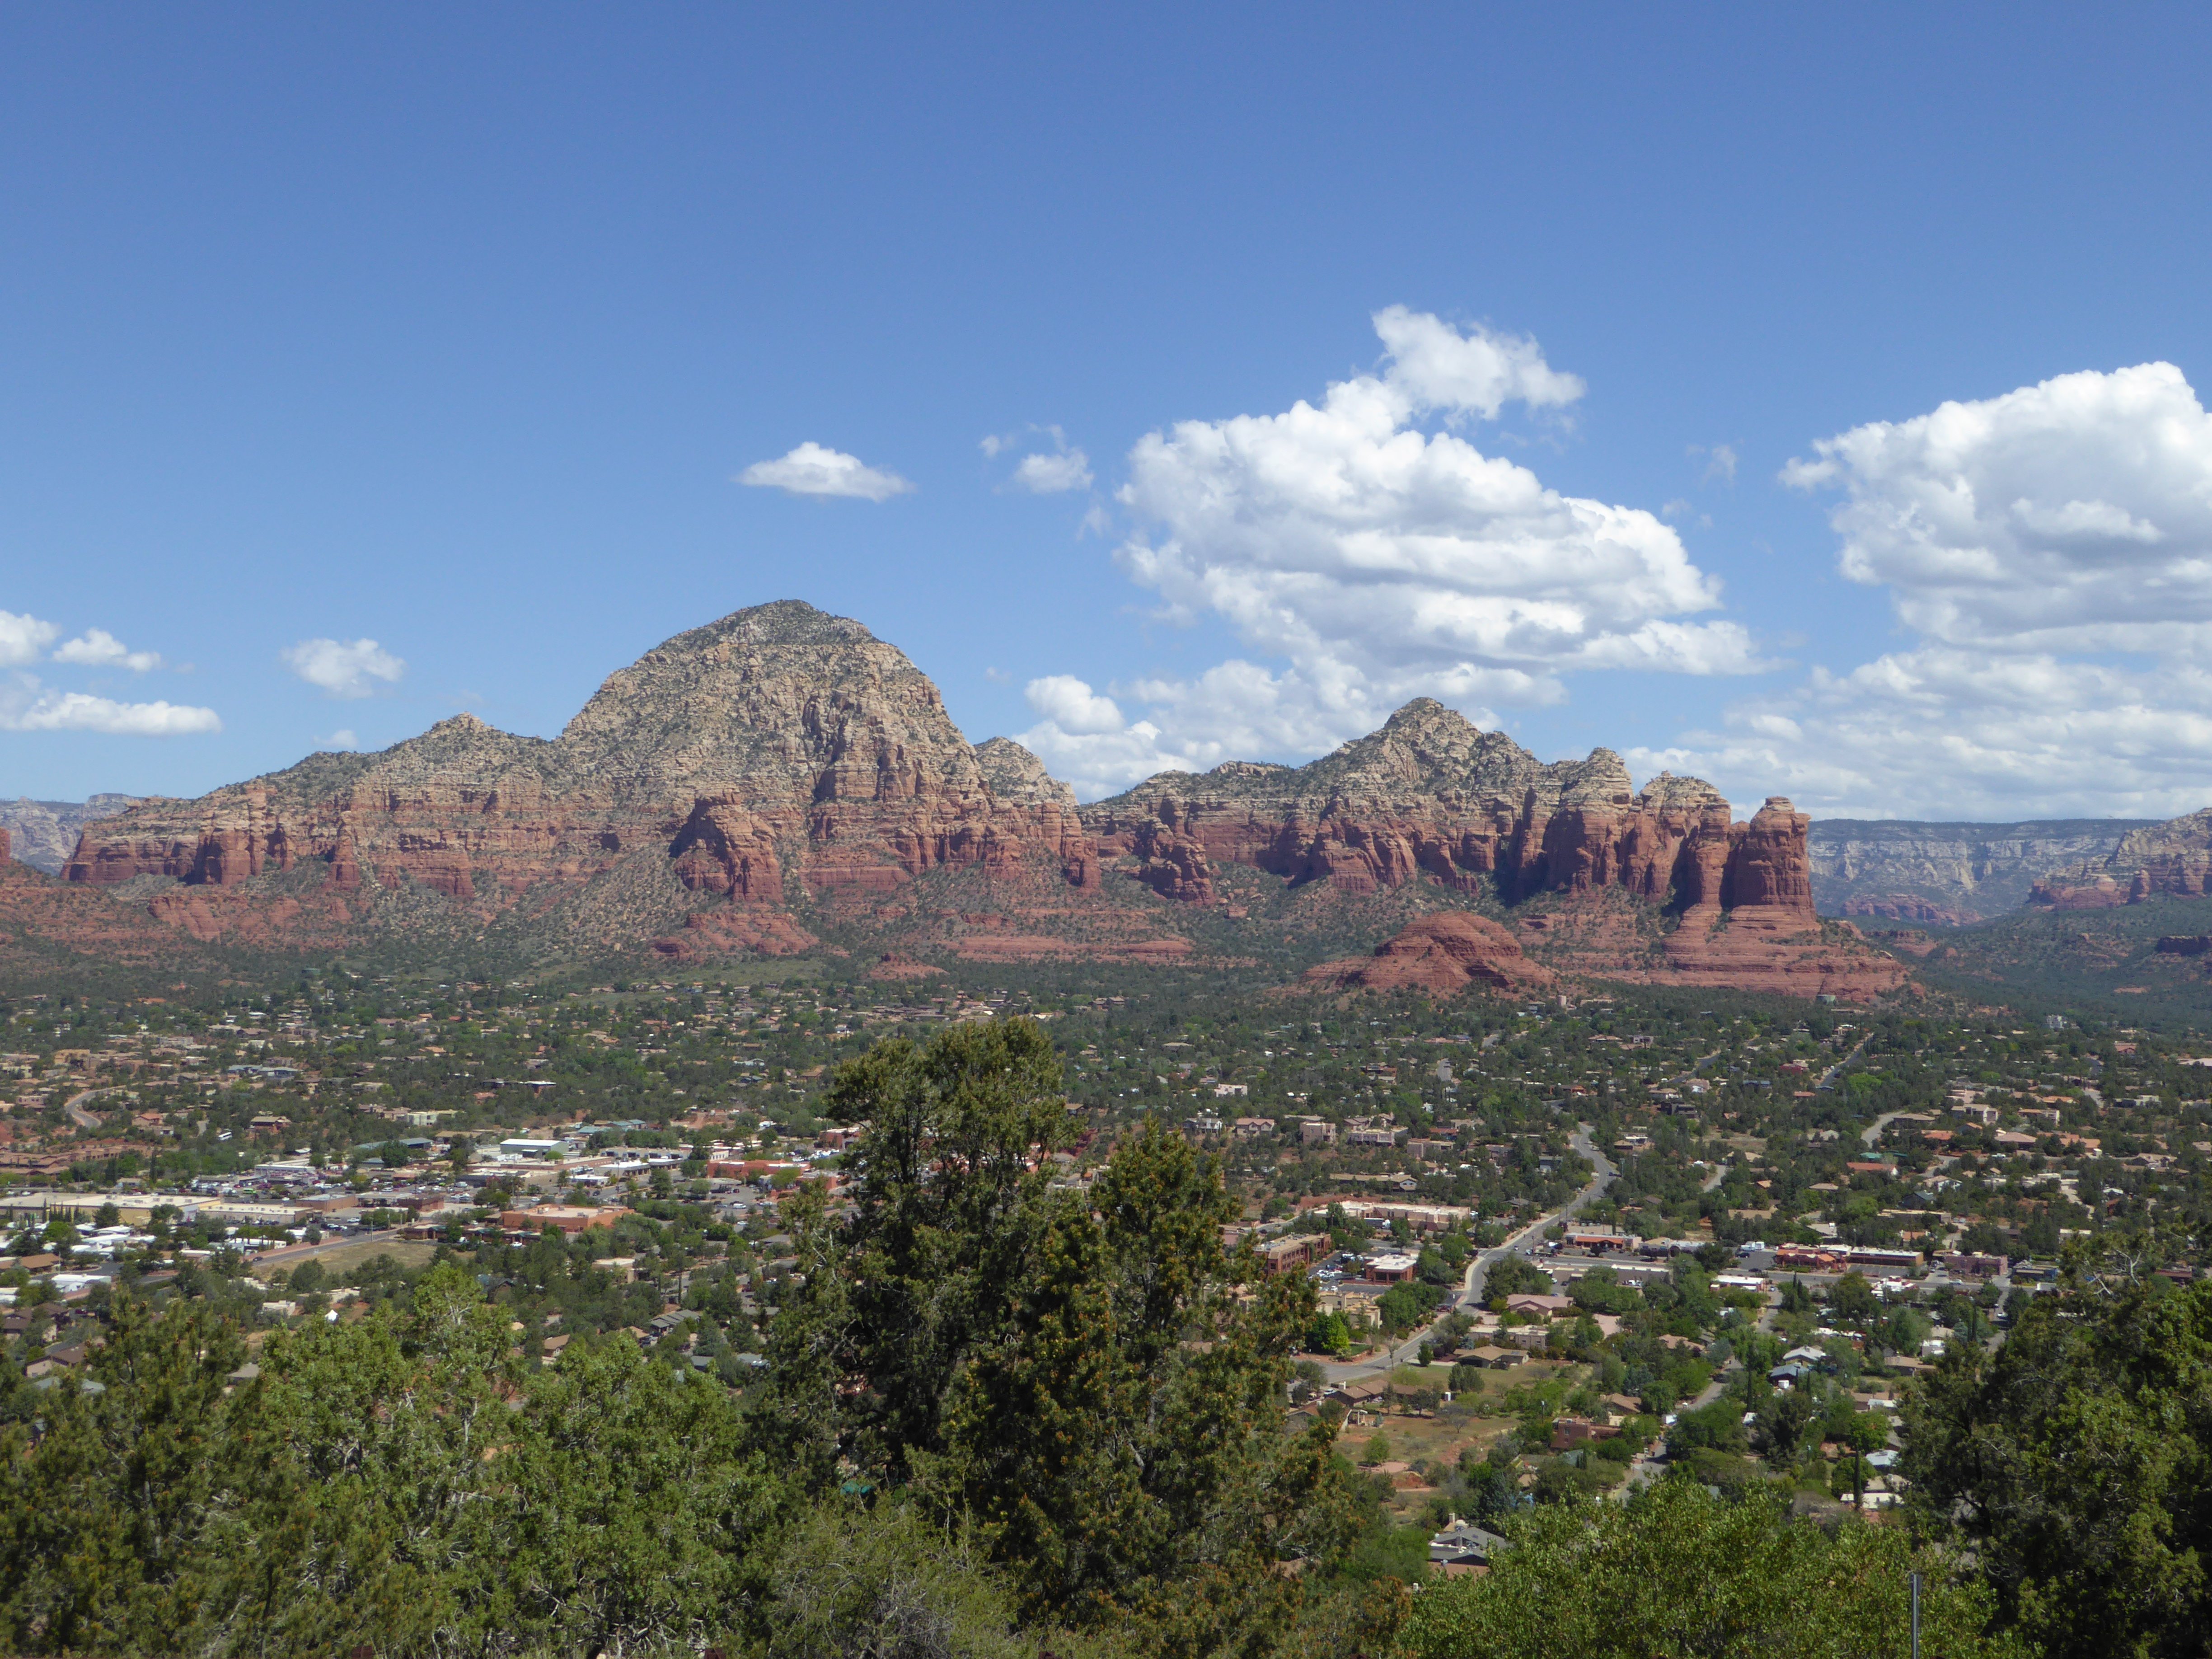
point(339, 1259)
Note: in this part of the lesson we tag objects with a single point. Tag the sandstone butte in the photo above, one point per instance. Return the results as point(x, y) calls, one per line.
point(1441, 955)
point(782, 782)
point(2173, 859)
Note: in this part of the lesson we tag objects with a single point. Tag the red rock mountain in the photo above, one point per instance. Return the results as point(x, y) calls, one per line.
point(773, 756)
point(781, 780)
point(1433, 798)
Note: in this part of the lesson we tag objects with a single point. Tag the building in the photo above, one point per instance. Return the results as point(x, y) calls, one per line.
point(1421, 1218)
point(1286, 1255)
point(1315, 1131)
point(1390, 1269)
point(568, 1218)
point(1964, 1264)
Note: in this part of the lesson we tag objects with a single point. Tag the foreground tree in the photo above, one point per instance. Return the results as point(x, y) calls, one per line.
point(1087, 1376)
point(2077, 1463)
point(1674, 1573)
point(1122, 1441)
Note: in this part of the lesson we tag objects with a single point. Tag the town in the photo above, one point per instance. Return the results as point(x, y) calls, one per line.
point(1556, 1248)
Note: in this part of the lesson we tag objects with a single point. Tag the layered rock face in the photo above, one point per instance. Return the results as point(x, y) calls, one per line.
point(2173, 858)
point(778, 753)
point(1431, 794)
point(1949, 874)
point(1441, 955)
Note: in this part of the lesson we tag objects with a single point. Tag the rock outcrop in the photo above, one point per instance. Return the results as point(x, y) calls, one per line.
point(2173, 859)
point(782, 782)
point(1442, 955)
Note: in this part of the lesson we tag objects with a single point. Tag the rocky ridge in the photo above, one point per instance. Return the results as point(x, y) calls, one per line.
point(1431, 794)
point(778, 755)
point(782, 782)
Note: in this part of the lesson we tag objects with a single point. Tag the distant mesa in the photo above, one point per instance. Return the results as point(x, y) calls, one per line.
point(781, 782)
point(44, 832)
point(2169, 860)
point(1948, 875)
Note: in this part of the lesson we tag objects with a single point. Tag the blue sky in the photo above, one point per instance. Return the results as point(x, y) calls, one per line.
point(367, 364)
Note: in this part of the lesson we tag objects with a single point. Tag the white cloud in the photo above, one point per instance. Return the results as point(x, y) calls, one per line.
point(1378, 562)
point(1946, 733)
point(2074, 515)
point(342, 669)
point(2052, 550)
point(812, 470)
point(28, 707)
point(343, 738)
point(1479, 373)
point(1072, 705)
point(23, 639)
point(98, 649)
point(1051, 475)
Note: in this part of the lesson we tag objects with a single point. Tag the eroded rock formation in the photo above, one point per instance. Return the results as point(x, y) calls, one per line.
point(782, 778)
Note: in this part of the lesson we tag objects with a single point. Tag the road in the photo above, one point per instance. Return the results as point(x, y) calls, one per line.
point(1828, 1077)
point(74, 1108)
point(1869, 1137)
point(1478, 1269)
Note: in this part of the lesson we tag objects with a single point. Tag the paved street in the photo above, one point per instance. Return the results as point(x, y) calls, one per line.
point(1478, 1270)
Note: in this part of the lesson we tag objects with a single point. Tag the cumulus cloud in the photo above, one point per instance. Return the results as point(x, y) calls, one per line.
point(2074, 515)
point(814, 469)
point(98, 649)
point(343, 738)
point(343, 669)
point(26, 706)
point(1072, 705)
point(23, 639)
point(1375, 560)
point(2052, 550)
